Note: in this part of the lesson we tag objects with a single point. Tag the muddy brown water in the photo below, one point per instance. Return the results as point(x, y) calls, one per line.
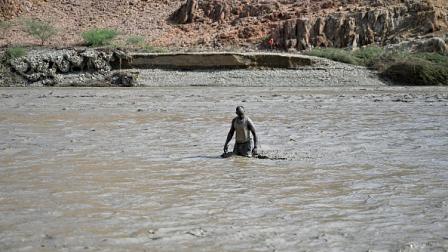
point(138, 169)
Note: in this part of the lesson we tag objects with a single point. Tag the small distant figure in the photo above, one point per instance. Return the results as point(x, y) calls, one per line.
point(271, 43)
point(243, 126)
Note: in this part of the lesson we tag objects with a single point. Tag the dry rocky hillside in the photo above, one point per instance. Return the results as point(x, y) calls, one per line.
point(218, 24)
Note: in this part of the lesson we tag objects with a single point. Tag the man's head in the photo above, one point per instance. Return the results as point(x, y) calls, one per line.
point(240, 111)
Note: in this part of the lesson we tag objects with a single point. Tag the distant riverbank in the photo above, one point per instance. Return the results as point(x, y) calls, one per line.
point(99, 67)
point(113, 67)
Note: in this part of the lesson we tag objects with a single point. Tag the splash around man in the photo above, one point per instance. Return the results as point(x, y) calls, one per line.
point(242, 126)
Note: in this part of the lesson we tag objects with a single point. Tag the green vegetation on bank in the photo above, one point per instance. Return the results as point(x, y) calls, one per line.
point(365, 56)
point(136, 41)
point(154, 49)
point(39, 29)
point(402, 67)
point(99, 37)
point(415, 68)
point(7, 78)
point(11, 53)
point(15, 52)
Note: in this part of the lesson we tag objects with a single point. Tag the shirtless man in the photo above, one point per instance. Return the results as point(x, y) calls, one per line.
point(243, 126)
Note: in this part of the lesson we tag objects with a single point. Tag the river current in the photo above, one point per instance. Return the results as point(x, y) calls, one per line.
point(364, 169)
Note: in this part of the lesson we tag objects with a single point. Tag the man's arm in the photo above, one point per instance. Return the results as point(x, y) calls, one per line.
point(229, 137)
point(254, 133)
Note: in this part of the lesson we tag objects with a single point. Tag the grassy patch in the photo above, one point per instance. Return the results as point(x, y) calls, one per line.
point(135, 41)
point(416, 73)
point(39, 29)
point(401, 67)
point(14, 52)
point(368, 56)
point(435, 58)
point(336, 54)
point(99, 37)
point(415, 68)
point(7, 77)
point(153, 49)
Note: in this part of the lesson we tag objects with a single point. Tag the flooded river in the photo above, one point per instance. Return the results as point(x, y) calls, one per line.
point(366, 169)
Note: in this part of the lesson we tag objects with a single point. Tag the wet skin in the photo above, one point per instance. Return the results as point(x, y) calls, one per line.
point(241, 115)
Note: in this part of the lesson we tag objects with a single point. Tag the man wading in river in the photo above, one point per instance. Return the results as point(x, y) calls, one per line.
point(243, 126)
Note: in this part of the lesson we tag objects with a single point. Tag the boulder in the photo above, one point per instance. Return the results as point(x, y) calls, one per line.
point(217, 10)
point(62, 64)
point(186, 13)
point(20, 66)
point(76, 60)
point(434, 44)
point(123, 79)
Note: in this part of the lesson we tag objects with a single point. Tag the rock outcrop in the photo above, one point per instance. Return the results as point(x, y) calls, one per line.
point(232, 24)
point(46, 67)
point(352, 29)
point(433, 44)
point(306, 24)
point(194, 10)
point(122, 79)
point(186, 13)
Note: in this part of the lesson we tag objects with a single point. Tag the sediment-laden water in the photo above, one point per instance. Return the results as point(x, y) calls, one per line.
point(138, 169)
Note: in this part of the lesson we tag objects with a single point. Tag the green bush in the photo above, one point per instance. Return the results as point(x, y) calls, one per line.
point(99, 37)
point(415, 68)
point(15, 52)
point(435, 58)
point(335, 54)
point(417, 73)
point(39, 29)
point(368, 55)
point(136, 41)
point(399, 66)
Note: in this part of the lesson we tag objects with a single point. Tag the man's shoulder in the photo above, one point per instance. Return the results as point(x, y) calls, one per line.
point(246, 119)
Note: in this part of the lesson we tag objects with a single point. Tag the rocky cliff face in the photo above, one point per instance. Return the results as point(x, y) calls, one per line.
point(217, 11)
point(383, 25)
point(306, 24)
point(231, 24)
